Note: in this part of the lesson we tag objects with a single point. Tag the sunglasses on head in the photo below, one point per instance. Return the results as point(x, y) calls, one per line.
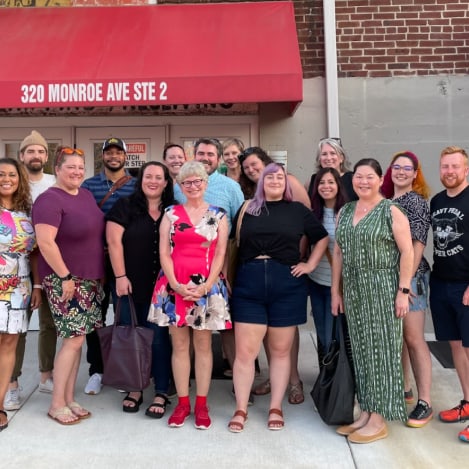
point(68, 151)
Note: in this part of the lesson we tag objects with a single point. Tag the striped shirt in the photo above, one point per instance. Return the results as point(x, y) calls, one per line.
point(100, 185)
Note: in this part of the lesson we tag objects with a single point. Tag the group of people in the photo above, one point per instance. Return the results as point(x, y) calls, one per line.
point(352, 241)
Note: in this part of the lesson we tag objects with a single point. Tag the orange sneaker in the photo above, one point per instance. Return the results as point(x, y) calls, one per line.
point(460, 413)
point(464, 435)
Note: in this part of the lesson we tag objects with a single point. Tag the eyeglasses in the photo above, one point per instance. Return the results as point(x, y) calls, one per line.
point(406, 168)
point(195, 182)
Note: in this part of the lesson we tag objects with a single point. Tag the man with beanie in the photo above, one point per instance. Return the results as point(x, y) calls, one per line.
point(108, 186)
point(33, 154)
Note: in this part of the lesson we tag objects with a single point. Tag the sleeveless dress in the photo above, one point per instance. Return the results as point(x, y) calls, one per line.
point(192, 251)
point(370, 278)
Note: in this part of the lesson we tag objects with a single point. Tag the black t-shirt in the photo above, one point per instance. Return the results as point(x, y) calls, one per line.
point(450, 223)
point(277, 231)
point(141, 241)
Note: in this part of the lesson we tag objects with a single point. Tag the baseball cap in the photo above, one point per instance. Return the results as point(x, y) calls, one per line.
point(115, 142)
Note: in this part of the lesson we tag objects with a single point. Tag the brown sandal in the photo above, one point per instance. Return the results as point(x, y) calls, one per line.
point(237, 427)
point(275, 424)
point(296, 394)
point(262, 389)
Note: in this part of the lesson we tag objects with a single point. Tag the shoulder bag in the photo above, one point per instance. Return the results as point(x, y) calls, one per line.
point(127, 352)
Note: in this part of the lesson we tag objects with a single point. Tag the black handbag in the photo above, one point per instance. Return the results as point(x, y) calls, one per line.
point(126, 352)
point(334, 390)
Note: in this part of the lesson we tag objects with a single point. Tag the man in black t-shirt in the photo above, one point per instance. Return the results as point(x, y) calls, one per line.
point(449, 284)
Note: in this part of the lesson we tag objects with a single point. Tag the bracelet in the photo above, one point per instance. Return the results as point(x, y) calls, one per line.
point(37, 286)
point(121, 276)
point(178, 287)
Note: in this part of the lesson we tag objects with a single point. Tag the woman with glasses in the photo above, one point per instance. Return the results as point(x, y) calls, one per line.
point(253, 162)
point(232, 148)
point(331, 154)
point(190, 294)
point(405, 184)
point(70, 232)
point(270, 289)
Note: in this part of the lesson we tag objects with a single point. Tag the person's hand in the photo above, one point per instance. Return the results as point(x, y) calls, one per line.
point(123, 286)
point(195, 292)
point(401, 304)
point(68, 290)
point(465, 297)
point(300, 269)
point(337, 304)
point(36, 298)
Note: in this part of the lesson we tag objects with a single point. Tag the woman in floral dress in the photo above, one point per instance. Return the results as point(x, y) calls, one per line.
point(190, 290)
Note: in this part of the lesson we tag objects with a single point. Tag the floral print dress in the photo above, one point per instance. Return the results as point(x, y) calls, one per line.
point(17, 240)
point(192, 251)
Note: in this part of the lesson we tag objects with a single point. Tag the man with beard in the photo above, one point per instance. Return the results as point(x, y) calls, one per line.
point(449, 283)
point(34, 155)
point(112, 183)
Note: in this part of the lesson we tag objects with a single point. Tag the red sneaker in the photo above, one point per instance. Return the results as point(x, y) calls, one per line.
point(179, 416)
point(464, 435)
point(202, 419)
point(460, 413)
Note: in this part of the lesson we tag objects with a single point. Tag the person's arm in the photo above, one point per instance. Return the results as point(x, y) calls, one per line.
point(36, 297)
point(114, 233)
point(337, 302)
point(45, 235)
point(313, 260)
point(298, 191)
point(402, 236)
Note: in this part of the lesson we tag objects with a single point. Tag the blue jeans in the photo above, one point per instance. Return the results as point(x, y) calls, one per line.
point(320, 297)
point(161, 345)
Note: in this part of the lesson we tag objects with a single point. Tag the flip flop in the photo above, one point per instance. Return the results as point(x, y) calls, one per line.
point(5, 425)
point(63, 411)
point(78, 408)
point(159, 405)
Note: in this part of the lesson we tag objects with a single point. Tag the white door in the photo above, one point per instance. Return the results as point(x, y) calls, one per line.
point(143, 144)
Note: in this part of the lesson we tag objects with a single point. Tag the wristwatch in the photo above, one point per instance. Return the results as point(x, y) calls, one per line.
point(406, 291)
point(67, 277)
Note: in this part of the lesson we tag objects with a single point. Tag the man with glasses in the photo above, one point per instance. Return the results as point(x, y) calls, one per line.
point(112, 183)
point(223, 192)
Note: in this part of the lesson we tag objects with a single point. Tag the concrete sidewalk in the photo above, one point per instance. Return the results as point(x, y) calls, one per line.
point(113, 439)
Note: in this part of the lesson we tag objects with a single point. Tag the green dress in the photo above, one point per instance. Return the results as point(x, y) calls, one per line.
point(370, 281)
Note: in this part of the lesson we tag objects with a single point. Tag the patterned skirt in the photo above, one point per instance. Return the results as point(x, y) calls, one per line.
point(80, 315)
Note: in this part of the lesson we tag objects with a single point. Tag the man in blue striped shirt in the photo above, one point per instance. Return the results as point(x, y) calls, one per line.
point(108, 186)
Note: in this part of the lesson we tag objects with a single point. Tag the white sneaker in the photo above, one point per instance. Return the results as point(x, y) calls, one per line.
point(47, 386)
point(12, 399)
point(94, 384)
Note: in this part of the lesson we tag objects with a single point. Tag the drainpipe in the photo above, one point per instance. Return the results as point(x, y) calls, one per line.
point(332, 88)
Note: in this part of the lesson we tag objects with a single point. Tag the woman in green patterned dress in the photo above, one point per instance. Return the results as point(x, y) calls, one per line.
point(373, 253)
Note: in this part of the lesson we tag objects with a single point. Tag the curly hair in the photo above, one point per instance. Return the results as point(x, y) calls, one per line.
point(247, 186)
point(21, 199)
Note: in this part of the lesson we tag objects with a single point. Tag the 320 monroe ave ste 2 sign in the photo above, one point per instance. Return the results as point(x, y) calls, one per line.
point(92, 93)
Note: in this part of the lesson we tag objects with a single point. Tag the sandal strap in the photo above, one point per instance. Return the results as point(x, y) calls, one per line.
point(241, 413)
point(163, 396)
point(4, 413)
point(276, 412)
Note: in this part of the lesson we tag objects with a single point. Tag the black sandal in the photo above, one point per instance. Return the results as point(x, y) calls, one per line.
point(158, 415)
point(136, 407)
point(5, 425)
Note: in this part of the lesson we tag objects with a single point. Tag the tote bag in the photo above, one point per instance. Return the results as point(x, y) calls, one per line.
point(334, 390)
point(126, 351)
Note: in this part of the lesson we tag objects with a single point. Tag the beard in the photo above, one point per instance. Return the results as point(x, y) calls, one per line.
point(114, 169)
point(453, 182)
point(34, 166)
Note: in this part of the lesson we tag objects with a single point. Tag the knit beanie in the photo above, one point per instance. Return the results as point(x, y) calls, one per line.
point(34, 138)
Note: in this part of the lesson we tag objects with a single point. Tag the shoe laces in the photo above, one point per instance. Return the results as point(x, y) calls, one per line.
point(460, 409)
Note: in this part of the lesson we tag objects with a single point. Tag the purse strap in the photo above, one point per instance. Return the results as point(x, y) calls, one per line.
point(116, 186)
point(240, 221)
point(133, 313)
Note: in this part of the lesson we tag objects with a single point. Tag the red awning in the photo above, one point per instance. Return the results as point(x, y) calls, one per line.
point(149, 55)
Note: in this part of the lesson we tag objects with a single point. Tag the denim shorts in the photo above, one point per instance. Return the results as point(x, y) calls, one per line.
point(450, 316)
point(265, 292)
point(420, 302)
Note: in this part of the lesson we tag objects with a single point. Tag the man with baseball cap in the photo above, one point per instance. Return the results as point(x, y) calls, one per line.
point(34, 154)
point(112, 183)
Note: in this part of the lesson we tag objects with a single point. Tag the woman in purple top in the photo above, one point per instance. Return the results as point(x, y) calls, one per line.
point(70, 232)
